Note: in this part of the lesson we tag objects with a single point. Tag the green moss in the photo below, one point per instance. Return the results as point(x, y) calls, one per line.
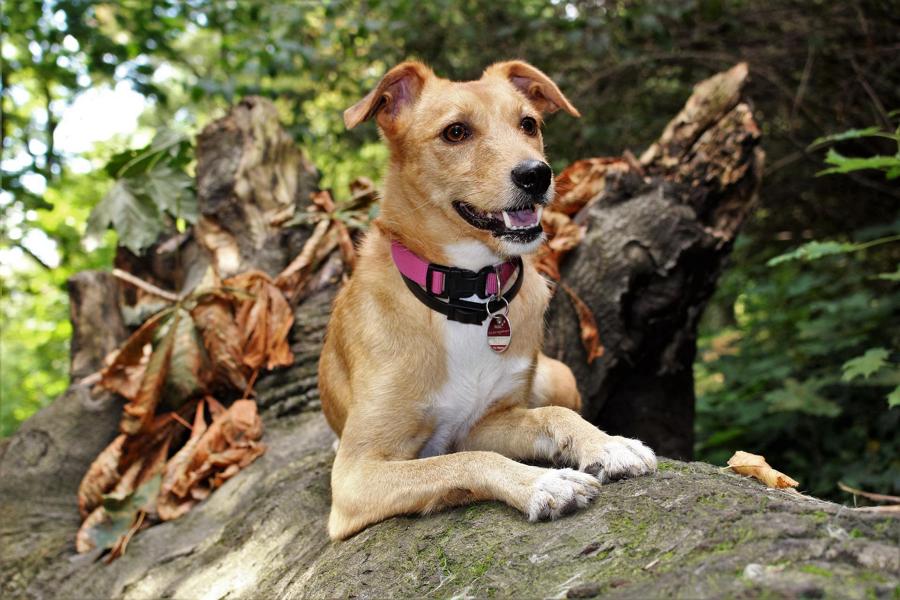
point(820, 516)
point(482, 566)
point(816, 570)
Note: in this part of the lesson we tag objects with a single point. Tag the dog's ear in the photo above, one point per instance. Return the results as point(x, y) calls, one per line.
point(399, 88)
point(537, 87)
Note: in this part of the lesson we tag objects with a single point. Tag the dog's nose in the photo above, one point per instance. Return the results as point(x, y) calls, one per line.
point(532, 176)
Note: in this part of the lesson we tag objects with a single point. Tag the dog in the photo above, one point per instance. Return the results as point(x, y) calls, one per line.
point(431, 373)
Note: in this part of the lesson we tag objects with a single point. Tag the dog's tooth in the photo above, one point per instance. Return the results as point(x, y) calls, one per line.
point(540, 211)
point(506, 219)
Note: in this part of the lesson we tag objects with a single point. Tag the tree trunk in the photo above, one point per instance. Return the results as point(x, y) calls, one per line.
point(659, 232)
point(657, 237)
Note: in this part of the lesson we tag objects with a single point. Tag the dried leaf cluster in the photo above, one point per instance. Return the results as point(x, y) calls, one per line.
point(578, 186)
point(178, 443)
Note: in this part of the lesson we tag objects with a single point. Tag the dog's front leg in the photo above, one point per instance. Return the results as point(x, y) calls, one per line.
point(560, 435)
point(369, 489)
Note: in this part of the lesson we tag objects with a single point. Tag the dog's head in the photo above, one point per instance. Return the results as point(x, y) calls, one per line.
point(472, 151)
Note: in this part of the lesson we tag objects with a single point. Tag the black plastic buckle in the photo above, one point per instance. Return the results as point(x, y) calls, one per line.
point(459, 283)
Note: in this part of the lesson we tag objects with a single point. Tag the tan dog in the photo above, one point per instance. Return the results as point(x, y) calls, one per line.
point(428, 413)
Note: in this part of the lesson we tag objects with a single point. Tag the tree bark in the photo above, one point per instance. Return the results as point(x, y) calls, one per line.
point(658, 234)
point(657, 237)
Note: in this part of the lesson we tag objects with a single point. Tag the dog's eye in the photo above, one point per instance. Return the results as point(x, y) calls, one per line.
point(529, 126)
point(455, 132)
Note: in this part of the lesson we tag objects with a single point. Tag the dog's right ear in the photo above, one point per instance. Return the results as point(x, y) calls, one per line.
point(398, 89)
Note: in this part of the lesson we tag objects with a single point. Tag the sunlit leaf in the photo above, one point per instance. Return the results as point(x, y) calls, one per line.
point(754, 465)
point(846, 164)
point(135, 219)
point(894, 397)
point(866, 365)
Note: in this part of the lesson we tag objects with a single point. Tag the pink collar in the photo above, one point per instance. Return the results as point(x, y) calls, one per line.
point(452, 282)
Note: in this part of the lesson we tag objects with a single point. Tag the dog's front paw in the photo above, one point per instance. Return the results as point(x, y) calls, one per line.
point(619, 458)
point(559, 492)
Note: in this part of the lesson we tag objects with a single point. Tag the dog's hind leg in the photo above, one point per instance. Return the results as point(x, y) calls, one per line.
point(554, 385)
point(369, 490)
point(561, 436)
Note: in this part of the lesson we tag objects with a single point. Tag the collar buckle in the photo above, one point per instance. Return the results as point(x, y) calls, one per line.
point(460, 283)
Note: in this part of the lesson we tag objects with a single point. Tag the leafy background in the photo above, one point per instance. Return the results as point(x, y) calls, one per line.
point(773, 374)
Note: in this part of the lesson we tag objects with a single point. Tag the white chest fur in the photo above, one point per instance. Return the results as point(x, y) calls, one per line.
point(476, 375)
point(476, 378)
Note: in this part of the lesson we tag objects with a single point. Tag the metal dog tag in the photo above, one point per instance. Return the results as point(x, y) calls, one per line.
point(499, 333)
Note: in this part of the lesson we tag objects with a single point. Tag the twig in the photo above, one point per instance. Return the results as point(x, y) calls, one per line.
point(306, 255)
point(804, 81)
point(876, 102)
point(250, 383)
point(147, 287)
point(869, 495)
point(181, 420)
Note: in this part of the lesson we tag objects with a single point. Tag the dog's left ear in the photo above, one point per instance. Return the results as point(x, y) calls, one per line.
point(537, 87)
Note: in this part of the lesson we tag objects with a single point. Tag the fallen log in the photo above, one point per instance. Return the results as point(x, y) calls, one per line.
point(658, 231)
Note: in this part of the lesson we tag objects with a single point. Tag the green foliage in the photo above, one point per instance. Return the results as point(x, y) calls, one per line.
point(797, 325)
point(866, 365)
point(812, 251)
point(150, 194)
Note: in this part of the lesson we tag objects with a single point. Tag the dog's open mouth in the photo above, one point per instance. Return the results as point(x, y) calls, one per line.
point(522, 224)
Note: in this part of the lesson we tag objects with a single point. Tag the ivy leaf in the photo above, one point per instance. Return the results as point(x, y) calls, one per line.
point(813, 251)
point(136, 220)
point(866, 365)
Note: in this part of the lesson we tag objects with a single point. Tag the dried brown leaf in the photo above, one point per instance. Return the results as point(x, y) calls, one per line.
point(100, 478)
point(583, 181)
point(263, 321)
point(138, 414)
point(189, 369)
point(590, 334)
point(126, 366)
point(172, 503)
point(754, 465)
point(231, 439)
point(214, 318)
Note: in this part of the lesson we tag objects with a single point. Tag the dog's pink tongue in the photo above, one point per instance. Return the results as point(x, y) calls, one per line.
point(523, 218)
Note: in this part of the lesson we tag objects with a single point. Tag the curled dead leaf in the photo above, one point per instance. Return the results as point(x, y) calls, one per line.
point(138, 414)
point(583, 181)
point(170, 505)
point(590, 334)
point(214, 318)
point(263, 321)
point(100, 478)
point(754, 465)
point(126, 366)
point(212, 455)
